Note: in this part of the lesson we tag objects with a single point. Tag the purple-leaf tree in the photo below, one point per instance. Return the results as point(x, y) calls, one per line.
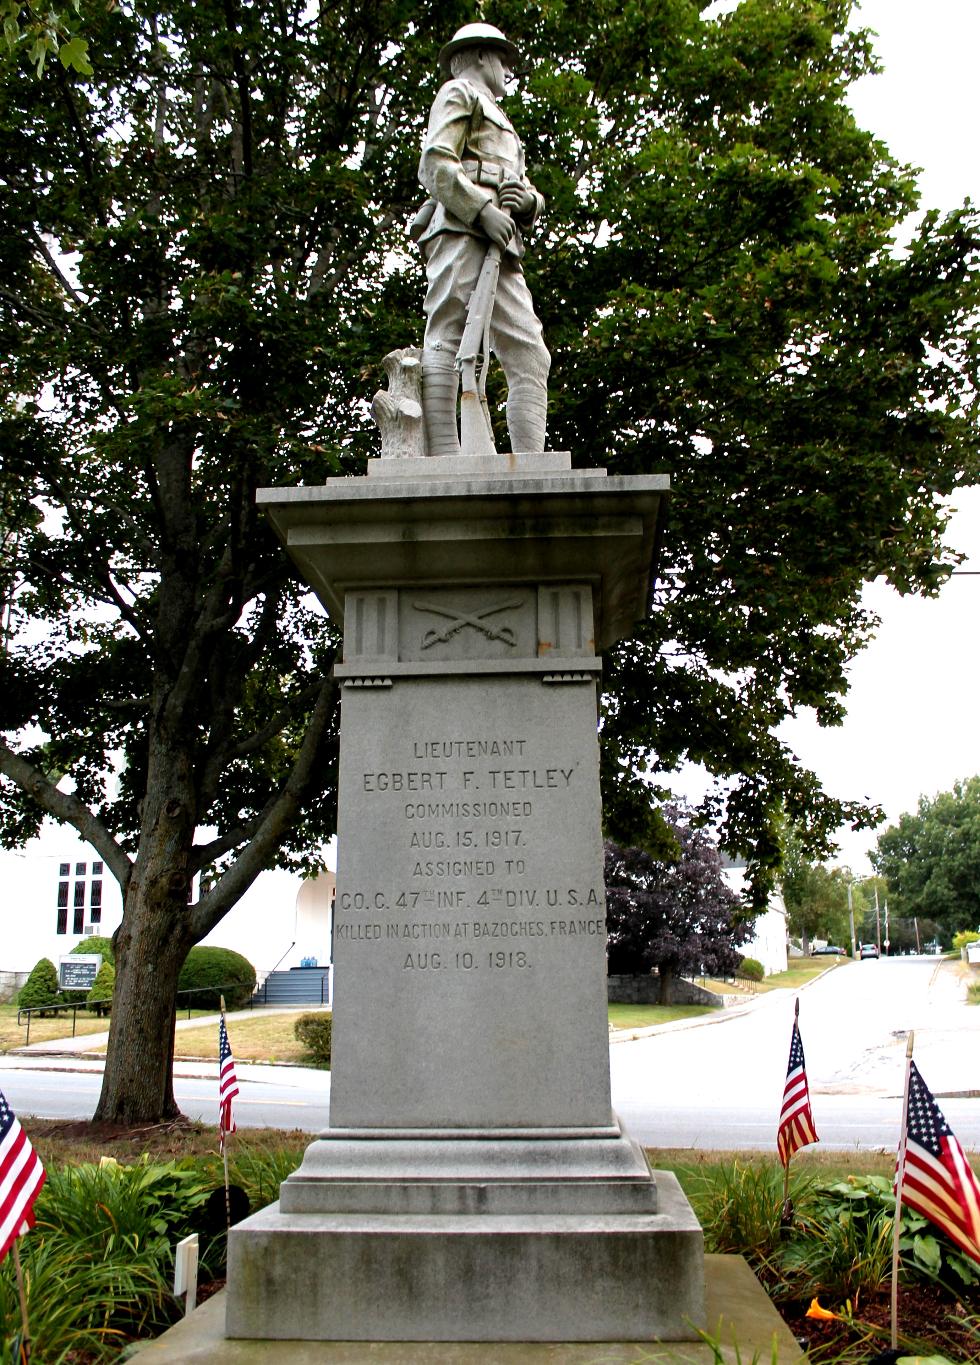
point(673, 912)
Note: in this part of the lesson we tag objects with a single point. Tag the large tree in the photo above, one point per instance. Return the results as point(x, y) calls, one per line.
point(672, 912)
point(931, 859)
point(815, 895)
point(203, 258)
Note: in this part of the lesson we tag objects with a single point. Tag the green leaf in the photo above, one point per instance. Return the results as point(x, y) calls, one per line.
point(927, 1252)
point(74, 53)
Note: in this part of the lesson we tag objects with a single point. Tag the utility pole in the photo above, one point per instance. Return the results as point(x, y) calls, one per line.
point(878, 921)
point(918, 945)
point(850, 914)
point(888, 942)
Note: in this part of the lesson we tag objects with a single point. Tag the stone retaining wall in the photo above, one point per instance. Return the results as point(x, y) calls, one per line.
point(645, 990)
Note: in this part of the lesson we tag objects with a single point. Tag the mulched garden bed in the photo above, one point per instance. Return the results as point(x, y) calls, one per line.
point(926, 1316)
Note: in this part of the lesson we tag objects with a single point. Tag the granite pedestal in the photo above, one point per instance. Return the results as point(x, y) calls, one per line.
point(474, 1183)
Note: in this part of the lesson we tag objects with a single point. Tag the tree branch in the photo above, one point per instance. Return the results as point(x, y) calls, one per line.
point(68, 809)
point(56, 270)
point(203, 854)
point(275, 820)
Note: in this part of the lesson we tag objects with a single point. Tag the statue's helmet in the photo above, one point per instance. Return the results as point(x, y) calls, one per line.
point(478, 35)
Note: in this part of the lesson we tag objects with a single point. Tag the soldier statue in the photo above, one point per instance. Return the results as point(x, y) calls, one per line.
point(480, 202)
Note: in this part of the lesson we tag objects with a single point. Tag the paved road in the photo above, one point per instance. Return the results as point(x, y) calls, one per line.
point(712, 1085)
point(720, 1085)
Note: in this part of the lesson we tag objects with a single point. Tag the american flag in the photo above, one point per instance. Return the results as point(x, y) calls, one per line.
point(227, 1084)
point(795, 1120)
point(21, 1177)
point(938, 1181)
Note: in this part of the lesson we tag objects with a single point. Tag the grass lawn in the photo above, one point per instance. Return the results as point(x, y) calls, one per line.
point(61, 1142)
point(253, 1037)
point(642, 1016)
point(800, 971)
point(269, 1037)
point(13, 1034)
point(690, 1164)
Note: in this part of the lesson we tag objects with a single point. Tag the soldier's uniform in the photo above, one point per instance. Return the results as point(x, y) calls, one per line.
point(470, 150)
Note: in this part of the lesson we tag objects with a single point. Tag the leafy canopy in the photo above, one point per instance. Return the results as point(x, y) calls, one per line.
point(203, 259)
point(932, 859)
point(815, 895)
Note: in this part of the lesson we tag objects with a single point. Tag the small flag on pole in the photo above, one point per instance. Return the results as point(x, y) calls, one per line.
point(227, 1085)
point(795, 1120)
point(21, 1178)
point(938, 1181)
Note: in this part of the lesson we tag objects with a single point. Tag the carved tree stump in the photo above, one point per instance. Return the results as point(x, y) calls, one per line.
point(398, 409)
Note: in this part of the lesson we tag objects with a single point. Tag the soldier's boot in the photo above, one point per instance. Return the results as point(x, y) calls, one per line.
point(527, 415)
point(440, 384)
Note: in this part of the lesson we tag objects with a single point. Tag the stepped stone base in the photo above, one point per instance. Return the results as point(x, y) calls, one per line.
point(585, 1245)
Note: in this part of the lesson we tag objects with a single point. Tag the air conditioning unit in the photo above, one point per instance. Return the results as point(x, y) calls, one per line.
point(90, 929)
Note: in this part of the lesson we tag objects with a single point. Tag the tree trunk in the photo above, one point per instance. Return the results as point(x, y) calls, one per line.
point(138, 1083)
point(666, 985)
point(150, 947)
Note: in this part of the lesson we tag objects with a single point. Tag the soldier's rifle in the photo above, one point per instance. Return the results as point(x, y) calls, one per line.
point(473, 360)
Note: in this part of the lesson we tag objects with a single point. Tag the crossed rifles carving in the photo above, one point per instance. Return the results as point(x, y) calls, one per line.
point(459, 620)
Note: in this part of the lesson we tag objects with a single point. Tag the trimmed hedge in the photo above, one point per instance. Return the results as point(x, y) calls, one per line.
point(100, 996)
point(95, 945)
point(315, 1032)
point(41, 987)
point(211, 973)
point(751, 970)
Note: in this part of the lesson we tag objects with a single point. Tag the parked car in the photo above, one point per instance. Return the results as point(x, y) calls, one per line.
point(831, 950)
point(869, 950)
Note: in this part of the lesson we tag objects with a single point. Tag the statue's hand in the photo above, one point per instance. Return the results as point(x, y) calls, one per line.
point(516, 199)
point(498, 225)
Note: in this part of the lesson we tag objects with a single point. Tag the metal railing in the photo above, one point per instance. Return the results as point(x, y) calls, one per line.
point(76, 1005)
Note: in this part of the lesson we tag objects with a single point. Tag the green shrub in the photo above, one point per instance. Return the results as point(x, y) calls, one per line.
point(95, 945)
point(154, 1203)
point(41, 987)
point(751, 970)
point(82, 1305)
point(260, 1171)
point(100, 996)
point(213, 972)
point(740, 1207)
point(964, 937)
point(315, 1032)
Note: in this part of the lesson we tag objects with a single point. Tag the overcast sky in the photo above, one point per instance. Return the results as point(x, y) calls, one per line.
point(913, 725)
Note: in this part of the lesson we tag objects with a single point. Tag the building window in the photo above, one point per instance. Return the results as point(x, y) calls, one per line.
point(95, 901)
point(78, 919)
point(96, 869)
point(62, 906)
point(64, 869)
point(79, 869)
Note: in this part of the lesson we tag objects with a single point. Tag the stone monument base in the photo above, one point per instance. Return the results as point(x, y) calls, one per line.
point(501, 1276)
point(741, 1320)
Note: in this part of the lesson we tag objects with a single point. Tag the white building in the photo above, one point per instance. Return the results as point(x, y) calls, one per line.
point(58, 892)
point(769, 940)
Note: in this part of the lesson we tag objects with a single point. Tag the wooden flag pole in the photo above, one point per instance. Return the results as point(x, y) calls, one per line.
point(224, 1140)
point(899, 1182)
point(787, 1214)
point(25, 1342)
